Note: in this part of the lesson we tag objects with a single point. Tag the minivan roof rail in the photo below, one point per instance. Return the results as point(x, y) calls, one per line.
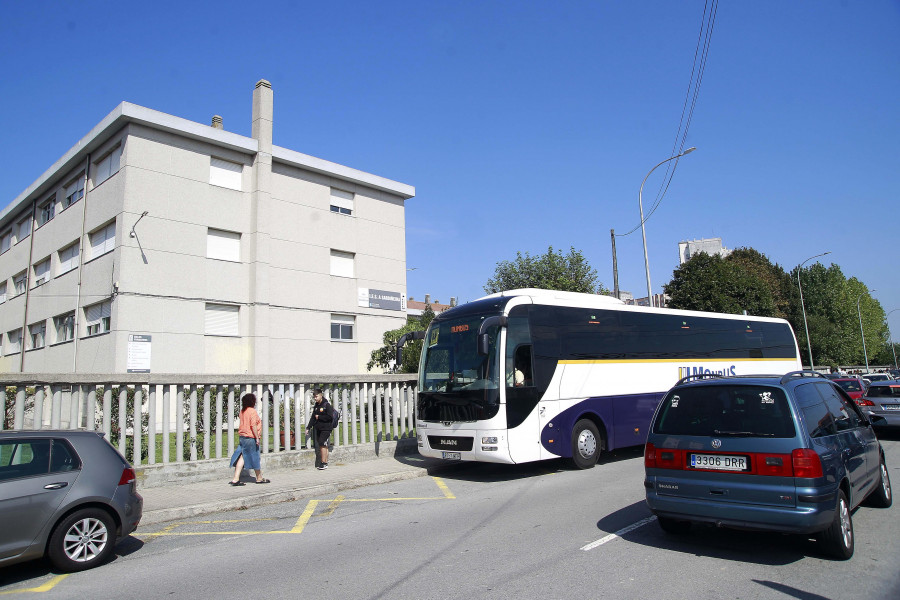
point(794, 374)
point(700, 376)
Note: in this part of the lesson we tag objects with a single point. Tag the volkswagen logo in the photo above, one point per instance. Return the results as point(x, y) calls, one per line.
point(717, 443)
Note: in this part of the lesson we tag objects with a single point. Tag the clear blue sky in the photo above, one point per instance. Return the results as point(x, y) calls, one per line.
point(521, 124)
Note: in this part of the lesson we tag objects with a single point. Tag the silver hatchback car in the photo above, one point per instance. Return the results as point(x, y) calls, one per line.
point(66, 495)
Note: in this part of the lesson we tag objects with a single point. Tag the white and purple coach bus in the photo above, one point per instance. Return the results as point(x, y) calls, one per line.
point(530, 374)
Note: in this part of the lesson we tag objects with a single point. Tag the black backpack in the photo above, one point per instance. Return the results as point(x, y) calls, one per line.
point(336, 418)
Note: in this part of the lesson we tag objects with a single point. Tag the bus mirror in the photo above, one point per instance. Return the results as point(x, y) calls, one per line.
point(484, 340)
point(406, 337)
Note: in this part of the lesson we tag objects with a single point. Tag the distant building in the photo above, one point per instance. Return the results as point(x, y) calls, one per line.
point(414, 308)
point(659, 301)
point(711, 246)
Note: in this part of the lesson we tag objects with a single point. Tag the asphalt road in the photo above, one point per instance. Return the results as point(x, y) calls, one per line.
point(480, 531)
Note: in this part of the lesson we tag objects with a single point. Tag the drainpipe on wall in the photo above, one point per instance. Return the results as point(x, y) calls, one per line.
point(27, 292)
point(87, 170)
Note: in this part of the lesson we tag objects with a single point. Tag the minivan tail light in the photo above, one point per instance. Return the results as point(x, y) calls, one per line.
point(806, 463)
point(649, 456)
point(128, 476)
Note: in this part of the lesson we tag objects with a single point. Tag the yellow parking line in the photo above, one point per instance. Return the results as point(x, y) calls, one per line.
point(331, 507)
point(440, 483)
point(304, 518)
point(41, 588)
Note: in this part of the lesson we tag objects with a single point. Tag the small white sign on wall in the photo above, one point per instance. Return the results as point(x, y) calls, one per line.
point(138, 353)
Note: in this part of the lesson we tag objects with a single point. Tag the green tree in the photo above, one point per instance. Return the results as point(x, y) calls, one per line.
point(385, 356)
point(714, 284)
point(551, 271)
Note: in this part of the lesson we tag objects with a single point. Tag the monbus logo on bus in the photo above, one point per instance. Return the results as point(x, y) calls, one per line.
point(686, 371)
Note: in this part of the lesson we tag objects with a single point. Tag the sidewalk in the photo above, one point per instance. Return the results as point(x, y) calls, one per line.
point(181, 501)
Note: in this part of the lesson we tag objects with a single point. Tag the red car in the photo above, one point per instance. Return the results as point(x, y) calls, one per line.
point(854, 387)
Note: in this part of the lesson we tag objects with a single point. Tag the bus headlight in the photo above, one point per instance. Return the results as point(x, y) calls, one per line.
point(489, 440)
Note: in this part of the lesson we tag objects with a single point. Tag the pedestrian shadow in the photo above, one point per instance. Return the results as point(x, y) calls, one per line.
point(760, 548)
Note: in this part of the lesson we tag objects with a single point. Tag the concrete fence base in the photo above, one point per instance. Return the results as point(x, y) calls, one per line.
point(150, 476)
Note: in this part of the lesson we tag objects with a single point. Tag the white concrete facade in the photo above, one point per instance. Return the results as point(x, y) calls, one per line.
point(711, 246)
point(229, 271)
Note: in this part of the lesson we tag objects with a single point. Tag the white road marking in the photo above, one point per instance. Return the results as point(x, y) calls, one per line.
point(619, 533)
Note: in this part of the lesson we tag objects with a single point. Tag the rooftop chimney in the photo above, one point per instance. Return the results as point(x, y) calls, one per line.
point(452, 301)
point(427, 298)
point(217, 122)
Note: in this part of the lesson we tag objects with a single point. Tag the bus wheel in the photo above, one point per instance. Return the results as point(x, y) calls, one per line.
point(585, 444)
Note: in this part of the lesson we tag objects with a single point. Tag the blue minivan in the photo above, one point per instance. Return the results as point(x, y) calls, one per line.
point(790, 453)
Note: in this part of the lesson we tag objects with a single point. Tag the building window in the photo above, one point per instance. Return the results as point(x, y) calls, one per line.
point(2, 292)
point(65, 327)
point(107, 167)
point(74, 192)
point(223, 245)
point(15, 341)
point(341, 202)
point(342, 327)
point(222, 319)
point(224, 173)
point(5, 241)
point(37, 331)
point(96, 317)
point(47, 210)
point(342, 263)
point(19, 283)
point(41, 272)
point(23, 229)
point(68, 258)
point(103, 240)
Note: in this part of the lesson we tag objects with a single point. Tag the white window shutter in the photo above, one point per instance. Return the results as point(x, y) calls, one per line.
point(342, 199)
point(224, 173)
point(342, 263)
point(223, 245)
point(222, 319)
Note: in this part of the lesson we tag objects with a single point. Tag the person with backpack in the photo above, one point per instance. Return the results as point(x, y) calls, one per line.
point(321, 421)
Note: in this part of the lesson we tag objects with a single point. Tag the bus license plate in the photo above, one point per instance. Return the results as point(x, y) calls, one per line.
point(451, 455)
point(718, 462)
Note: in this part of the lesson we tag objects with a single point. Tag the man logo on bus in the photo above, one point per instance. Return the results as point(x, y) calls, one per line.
point(687, 371)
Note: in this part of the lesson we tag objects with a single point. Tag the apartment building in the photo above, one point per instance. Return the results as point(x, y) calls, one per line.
point(164, 245)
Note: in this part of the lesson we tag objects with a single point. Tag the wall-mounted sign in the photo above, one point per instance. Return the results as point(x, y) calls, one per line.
point(383, 299)
point(138, 354)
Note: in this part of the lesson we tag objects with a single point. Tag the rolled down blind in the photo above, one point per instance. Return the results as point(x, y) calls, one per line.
point(342, 199)
point(225, 173)
point(222, 319)
point(96, 312)
point(223, 245)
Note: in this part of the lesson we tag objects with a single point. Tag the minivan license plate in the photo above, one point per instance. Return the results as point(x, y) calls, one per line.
point(718, 462)
point(451, 455)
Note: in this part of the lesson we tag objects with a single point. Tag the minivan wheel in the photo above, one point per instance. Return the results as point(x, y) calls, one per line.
point(82, 540)
point(838, 540)
point(674, 527)
point(881, 496)
point(585, 444)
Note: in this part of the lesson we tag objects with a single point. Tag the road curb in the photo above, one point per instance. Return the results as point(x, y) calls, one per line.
point(154, 517)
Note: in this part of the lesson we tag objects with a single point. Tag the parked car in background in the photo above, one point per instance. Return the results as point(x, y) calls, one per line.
point(66, 495)
point(873, 377)
point(854, 386)
point(791, 454)
point(883, 399)
point(895, 373)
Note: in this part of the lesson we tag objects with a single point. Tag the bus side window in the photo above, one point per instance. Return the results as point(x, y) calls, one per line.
point(523, 370)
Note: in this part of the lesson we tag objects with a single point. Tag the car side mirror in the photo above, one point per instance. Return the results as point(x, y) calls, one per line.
point(877, 421)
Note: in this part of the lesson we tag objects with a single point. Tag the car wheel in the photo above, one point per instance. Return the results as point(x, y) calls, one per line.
point(881, 496)
point(585, 444)
point(674, 527)
point(838, 540)
point(82, 540)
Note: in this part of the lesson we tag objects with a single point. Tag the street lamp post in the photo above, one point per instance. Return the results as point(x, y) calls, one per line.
point(859, 312)
point(812, 364)
point(891, 337)
point(643, 231)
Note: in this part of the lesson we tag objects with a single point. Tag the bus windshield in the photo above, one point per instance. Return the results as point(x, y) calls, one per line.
point(456, 383)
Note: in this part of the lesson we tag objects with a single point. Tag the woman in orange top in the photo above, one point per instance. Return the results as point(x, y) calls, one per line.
point(249, 433)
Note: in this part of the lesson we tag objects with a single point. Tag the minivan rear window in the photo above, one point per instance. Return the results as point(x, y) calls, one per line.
point(726, 410)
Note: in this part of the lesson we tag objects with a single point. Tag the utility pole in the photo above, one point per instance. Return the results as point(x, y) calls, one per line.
point(612, 236)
